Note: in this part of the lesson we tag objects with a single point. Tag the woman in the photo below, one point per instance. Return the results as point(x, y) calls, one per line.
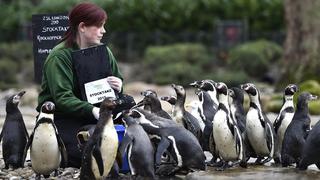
point(59, 82)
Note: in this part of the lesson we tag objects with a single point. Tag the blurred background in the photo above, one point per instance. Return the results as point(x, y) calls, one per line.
point(268, 42)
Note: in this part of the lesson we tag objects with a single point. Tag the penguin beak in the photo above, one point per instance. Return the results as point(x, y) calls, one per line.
point(164, 98)
point(195, 84)
point(197, 92)
point(139, 104)
point(21, 93)
point(313, 97)
point(143, 93)
point(295, 88)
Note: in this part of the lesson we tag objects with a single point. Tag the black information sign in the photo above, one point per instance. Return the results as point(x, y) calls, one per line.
point(47, 30)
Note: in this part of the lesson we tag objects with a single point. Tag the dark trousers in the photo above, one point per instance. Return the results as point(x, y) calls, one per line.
point(68, 128)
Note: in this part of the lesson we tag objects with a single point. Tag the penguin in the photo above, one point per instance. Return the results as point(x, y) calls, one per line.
point(311, 149)
point(236, 99)
point(47, 150)
point(14, 134)
point(138, 148)
point(83, 135)
point(259, 128)
point(186, 149)
point(100, 151)
point(297, 131)
point(181, 116)
point(145, 105)
point(284, 118)
point(226, 134)
point(208, 86)
point(152, 103)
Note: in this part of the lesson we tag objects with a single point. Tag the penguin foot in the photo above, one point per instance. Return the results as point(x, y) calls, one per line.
point(258, 161)
point(243, 164)
point(166, 169)
point(224, 166)
point(38, 177)
point(266, 160)
point(215, 164)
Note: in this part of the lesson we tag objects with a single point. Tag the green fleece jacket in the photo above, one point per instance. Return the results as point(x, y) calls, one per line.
point(59, 83)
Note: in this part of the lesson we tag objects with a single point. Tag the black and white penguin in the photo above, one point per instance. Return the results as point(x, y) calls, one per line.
point(297, 131)
point(101, 149)
point(236, 99)
point(310, 153)
point(14, 135)
point(208, 86)
point(236, 107)
point(259, 128)
point(152, 103)
point(186, 149)
point(145, 105)
point(284, 117)
point(226, 134)
point(181, 116)
point(138, 148)
point(47, 150)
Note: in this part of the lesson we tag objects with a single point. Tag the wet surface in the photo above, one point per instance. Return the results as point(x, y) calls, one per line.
point(257, 172)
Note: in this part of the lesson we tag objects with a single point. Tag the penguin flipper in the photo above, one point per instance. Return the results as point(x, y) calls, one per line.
point(278, 121)
point(269, 134)
point(98, 157)
point(29, 142)
point(162, 147)
point(239, 143)
point(63, 151)
point(126, 140)
point(1, 135)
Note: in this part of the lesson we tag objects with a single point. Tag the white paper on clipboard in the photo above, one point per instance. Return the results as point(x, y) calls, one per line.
point(97, 91)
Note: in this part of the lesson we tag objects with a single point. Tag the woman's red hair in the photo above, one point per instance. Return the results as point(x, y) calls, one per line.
point(88, 13)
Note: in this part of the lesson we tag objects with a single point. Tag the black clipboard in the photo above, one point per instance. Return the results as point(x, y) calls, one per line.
point(90, 64)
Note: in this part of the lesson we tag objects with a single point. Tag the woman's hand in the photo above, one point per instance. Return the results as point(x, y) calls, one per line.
point(115, 83)
point(95, 112)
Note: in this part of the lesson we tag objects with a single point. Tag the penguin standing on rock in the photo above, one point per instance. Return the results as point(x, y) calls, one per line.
point(226, 134)
point(14, 134)
point(259, 129)
point(284, 118)
point(138, 148)
point(47, 151)
point(100, 151)
point(297, 131)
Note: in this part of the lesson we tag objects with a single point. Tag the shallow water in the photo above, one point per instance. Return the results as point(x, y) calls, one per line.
point(257, 172)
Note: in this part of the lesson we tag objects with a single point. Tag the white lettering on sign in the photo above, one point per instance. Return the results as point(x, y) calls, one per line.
point(50, 18)
point(44, 51)
point(48, 38)
point(54, 29)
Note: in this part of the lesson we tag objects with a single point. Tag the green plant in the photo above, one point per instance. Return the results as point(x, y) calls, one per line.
point(8, 71)
point(179, 63)
point(254, 57)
